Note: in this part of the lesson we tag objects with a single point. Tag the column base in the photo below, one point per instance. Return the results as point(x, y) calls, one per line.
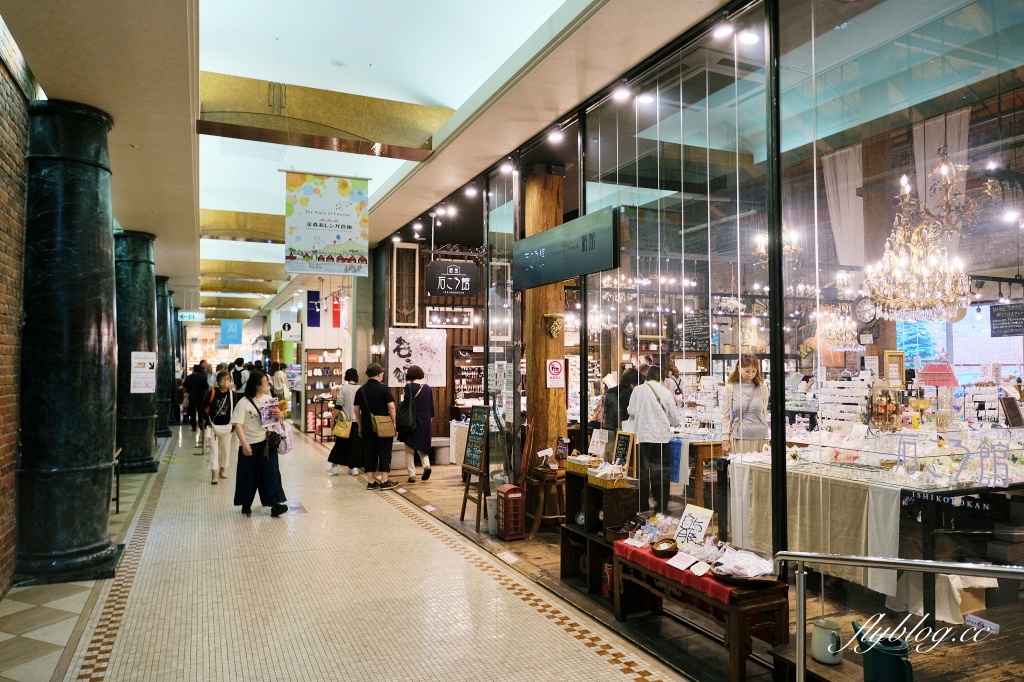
point(163, 432)
point(140, 466)
point(104, 570)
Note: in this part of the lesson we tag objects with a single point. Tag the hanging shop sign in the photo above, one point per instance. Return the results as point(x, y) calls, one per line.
point(583, 246)
point(1007, 320)
point(327, 224)
point(424, 347)
point(230, 332)
point(191, 316)
point(452, 278)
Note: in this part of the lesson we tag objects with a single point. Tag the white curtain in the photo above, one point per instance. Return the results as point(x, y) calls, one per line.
point(928, 137)
point(843, 177)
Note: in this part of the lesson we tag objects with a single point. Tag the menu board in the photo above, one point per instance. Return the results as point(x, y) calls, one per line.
point(623, 447)
point(695, 333)
point(1007, 320)
point(476, 441)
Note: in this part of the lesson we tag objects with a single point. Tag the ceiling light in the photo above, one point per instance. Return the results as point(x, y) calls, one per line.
point(1011, 216)
point(507, 167)
point(556, 136)
point(977, 313)
point(438, 223)
point(722, 30)
point(621, 93)
point(440, 210)
point(748, 37)
point(338, 63)
point(451, 210)
point(471, 191)
point(417, 225)
point(645, 98)
point(396, 238)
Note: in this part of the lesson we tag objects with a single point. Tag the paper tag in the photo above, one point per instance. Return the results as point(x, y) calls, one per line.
point(700, 568)
point(682, 561)
point(508, 557)
point(401, 491)
point(429, 508)
point(544, 454)
point(634, 543)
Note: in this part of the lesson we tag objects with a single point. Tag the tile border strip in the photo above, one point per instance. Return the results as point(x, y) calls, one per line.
point(622, 661)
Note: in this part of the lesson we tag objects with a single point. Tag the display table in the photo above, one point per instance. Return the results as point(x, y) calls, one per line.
point(829, 515)
point(744, 613)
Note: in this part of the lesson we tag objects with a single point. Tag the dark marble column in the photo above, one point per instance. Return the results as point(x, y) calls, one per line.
point(69, 351)
point(175, 345)
point(164, 359)
point(136, 332)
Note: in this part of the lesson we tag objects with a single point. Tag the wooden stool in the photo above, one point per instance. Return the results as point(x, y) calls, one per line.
point(544, 478)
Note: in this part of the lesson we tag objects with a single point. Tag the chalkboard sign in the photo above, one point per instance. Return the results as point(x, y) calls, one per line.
point(695, 332)
point(476, 441)
point(1007, 320)
point(623, 452)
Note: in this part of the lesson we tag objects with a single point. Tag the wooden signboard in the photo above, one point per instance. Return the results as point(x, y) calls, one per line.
point(623, 452)
point(474, 463)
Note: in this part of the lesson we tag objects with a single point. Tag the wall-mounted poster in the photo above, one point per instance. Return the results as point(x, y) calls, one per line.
point(427, 348)
point(327, 224)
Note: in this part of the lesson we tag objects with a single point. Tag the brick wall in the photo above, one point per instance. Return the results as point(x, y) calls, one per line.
point(16, 86)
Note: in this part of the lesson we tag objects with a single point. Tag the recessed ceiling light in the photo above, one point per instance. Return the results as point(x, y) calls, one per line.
point(722, 30)
point(417, 225)
point(556, 136)
point(748, 37)
point(451, 210)
point(440, 210)
point(620, 93)
point(645, 98)
point(338, 63)
point(507, 167)
point(471, 191)
point(396, 238)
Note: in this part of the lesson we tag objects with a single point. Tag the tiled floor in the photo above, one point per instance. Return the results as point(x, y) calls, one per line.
point(361, 586)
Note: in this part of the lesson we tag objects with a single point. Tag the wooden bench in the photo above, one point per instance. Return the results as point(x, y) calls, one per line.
point(743, 613)
point(784, 659)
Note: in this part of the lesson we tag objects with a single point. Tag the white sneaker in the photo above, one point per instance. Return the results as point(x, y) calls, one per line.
point(354, 471)
point(333, 470)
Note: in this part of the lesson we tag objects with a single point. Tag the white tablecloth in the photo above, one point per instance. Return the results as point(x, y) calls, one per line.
point(828, 515)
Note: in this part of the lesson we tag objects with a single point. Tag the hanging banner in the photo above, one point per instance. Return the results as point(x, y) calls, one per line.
point(427, 348)
point(230, 332)
point(327, 224)
point(312, 308)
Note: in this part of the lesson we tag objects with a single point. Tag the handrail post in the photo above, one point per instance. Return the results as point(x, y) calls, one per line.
point(801, 622)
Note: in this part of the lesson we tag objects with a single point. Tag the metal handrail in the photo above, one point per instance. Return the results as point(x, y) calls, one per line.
point(919, 565)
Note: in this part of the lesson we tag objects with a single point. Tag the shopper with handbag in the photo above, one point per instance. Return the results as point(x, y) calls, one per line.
point(219, 430)
point(654, 413)
point(348, 444)
point(421, 404)
point(257, 468)
point(375, 412)
point(745, 408)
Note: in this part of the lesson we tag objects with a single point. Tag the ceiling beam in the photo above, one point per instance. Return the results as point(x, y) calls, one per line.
point(315, 113)
point(239, 225)
point(231, 302)
point(217, 314)
point(210, 284)
point(244, 270)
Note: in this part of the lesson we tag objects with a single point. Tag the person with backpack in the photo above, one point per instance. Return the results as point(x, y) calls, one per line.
point(218, 409)
point(239, 374)
point(417, 412)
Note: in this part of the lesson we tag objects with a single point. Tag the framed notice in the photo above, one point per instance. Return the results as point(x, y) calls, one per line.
point(893, 363)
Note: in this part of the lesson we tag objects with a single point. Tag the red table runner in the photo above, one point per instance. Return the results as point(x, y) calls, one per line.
point(708, 584)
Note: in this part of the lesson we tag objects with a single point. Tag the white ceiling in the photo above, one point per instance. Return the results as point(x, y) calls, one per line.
point(238, 175)
point(435, 53)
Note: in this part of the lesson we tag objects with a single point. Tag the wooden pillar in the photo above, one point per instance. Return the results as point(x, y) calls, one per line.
point(545, 407)
point(879, 190)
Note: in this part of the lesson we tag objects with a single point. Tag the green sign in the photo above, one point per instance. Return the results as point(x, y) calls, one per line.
point(579, 247)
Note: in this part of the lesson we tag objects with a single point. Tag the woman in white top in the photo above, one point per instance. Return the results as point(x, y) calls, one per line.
point(257, 467)
point(745, 408)
point(347, 452)
point(279, 381)
point(218, 413)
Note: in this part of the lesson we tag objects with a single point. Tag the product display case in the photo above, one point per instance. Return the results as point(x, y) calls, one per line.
point(324, 370)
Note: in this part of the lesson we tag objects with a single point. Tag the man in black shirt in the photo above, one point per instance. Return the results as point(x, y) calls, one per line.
point(196, 387)
point(374, 398)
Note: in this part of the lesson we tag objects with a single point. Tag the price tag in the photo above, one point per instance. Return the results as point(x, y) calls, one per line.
point(634, 543)
point(682, 561)
point(700, 568)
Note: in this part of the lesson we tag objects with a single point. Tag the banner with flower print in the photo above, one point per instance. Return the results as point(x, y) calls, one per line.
point(327, 225)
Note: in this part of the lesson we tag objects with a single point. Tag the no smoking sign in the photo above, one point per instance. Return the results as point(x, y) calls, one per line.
point(556, 373)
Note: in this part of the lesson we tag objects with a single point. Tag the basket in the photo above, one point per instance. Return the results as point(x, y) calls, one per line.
point(608, 483)
point(579, 465)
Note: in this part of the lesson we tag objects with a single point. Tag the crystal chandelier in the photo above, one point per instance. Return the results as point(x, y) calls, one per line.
point(915, 281)
point(838, 330)
point(791, 248)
